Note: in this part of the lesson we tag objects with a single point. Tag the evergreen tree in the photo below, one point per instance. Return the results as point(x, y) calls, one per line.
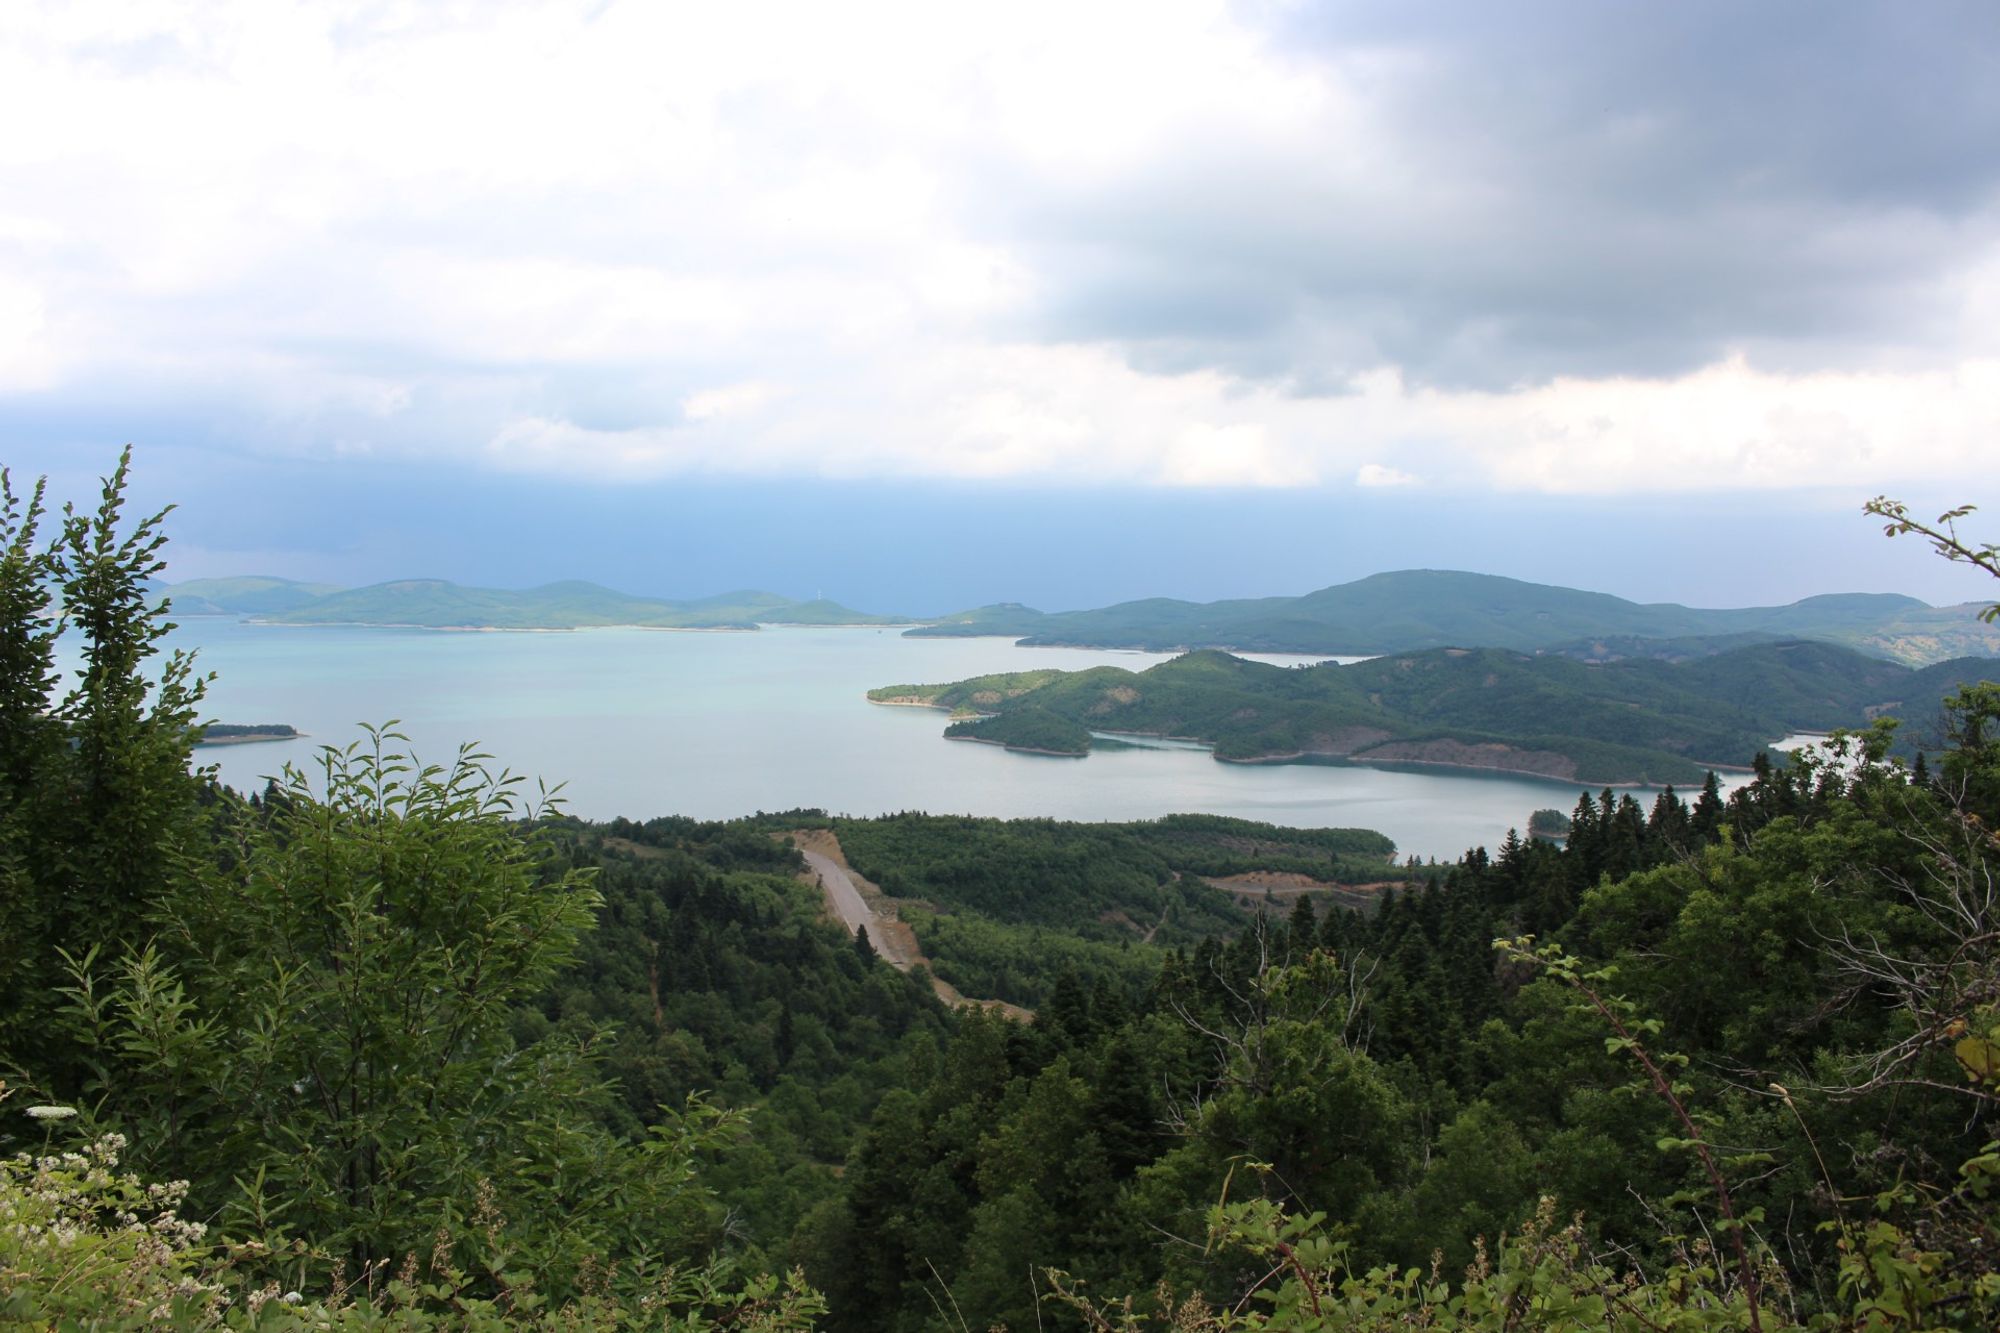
point(100, 813)
point(1706, 821)
point(1302, 931)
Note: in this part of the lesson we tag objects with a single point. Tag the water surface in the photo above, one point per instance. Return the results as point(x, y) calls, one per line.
point(646, 722)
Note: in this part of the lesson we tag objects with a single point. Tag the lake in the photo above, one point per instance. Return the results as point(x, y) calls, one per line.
point(646, 722)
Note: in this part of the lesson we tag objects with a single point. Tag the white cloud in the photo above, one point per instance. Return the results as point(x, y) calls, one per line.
point(630, 240)
point(1377, 474)
point(729, 401)
point(25, 360)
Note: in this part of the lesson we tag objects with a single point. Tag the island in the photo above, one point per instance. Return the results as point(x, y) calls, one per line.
point(1549, 825)
point(1638, 721)
point(238, 733)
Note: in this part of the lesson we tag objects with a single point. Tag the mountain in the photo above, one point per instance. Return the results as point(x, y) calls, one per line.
point(1642, 720)
point(1415, 609)
point(248, 596)
point(439, 604)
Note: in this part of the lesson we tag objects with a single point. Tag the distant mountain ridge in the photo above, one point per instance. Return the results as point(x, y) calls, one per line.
point(1409, 610)
point(441, 604)
point(256, 594)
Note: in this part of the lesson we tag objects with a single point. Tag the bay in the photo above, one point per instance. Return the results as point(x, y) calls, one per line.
point(714, 725)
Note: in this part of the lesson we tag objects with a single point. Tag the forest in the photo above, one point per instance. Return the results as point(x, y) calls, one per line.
point(1626, 722)
point(394, 1044)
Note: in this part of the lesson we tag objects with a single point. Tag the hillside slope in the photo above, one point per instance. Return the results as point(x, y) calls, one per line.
point(1415, 609)
point(1625, 722)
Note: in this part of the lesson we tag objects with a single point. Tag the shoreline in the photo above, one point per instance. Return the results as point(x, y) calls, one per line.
point(840, 624)
point(495, 629)
point(1022, 749)
point(1391, 765)
point(750, 628)
point(1021, 641)
point(1325, 758)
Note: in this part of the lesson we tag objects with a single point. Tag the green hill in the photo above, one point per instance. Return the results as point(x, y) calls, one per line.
point(572, 604)
point(1426, 608)
point(248, 596)
point(1642, 720)
point(1030, 730)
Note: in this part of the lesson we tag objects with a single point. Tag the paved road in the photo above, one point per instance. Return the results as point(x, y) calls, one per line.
point(893, 939)
point(852, 908)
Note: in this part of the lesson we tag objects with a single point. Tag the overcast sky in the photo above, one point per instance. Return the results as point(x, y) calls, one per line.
point(926, 304)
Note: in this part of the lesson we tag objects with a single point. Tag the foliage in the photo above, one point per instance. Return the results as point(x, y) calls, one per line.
point(1943, 536)
point(85, 1244)
point(98, 813)
point(82, 1239)
point(321, 1036)
point(1628, 721)
point(716, 974)
point(1549, 824)
point(1060, 873)
point(1033, 729)
point(1417, 1096)
point(226, 731)
point(426, 1056)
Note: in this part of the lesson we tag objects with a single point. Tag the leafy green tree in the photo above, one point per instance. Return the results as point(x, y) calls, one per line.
point(30, 743)
point(1943, 537)
point(320, 1037)
point(98, 809)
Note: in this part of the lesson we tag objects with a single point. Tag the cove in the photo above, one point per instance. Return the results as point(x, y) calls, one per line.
point(714, 725)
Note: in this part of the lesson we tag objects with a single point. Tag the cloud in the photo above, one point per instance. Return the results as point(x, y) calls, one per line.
point(1491, 195)
point(729, 401)
point(1195, 244)
point(1376, 475)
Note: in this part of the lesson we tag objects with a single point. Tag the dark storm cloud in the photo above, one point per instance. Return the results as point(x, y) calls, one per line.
point(1534, 190)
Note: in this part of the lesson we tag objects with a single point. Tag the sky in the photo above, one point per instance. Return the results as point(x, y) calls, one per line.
point(924, 306)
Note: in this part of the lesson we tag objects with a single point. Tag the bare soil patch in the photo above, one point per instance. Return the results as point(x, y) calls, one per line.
point(1267, 888)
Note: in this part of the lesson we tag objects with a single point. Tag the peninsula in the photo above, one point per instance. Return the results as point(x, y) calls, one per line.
point(1639, 721)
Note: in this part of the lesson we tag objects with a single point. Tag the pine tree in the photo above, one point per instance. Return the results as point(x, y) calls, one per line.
point(1302, 931)
point(1706, 821)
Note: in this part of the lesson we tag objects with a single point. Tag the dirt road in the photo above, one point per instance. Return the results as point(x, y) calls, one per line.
point(843, 896)
point(857, 904)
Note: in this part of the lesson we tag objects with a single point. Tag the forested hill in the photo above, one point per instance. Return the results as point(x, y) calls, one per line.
point(439, 604)
point(1638, 720)
point(250, 595)
point(1426, 608)
point(391, 1048)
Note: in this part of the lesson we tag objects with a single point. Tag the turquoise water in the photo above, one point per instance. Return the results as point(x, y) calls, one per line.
point(644, 723)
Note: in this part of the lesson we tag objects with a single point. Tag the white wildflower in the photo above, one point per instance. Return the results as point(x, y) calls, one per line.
point(51, 1112)
point(291, 1298)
